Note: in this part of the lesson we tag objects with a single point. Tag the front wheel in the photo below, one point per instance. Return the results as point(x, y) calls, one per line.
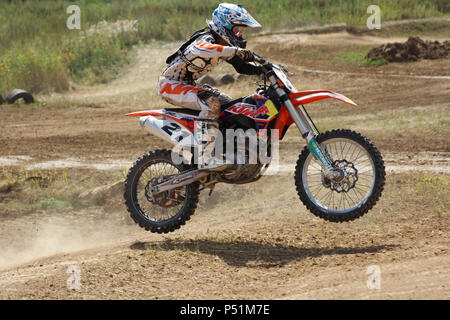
point(355, 188)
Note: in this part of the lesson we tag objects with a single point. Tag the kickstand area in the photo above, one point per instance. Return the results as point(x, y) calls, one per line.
point(211, 189)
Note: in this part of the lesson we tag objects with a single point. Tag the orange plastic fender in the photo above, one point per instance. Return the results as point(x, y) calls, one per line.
point(306, 97)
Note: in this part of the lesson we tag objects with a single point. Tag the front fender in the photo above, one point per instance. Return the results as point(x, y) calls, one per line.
point(305, 97)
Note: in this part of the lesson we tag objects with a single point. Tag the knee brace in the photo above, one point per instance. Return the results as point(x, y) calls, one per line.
point(211, 98)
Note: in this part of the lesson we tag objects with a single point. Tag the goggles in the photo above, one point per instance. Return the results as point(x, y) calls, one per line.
point(238, 31)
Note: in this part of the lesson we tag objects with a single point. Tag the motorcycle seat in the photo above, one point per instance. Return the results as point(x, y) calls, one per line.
point(192, 112)
point(184, 110)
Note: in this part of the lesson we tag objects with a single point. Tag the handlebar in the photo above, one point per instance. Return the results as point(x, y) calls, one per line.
point(264, 62)
point(260, 59)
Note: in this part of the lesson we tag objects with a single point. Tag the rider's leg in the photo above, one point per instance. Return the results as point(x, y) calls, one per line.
point(205, 99)
point(179, 93)
point(208, 133)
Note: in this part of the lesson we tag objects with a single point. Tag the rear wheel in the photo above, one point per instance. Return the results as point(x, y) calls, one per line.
point(358, 182)
point(164, 212)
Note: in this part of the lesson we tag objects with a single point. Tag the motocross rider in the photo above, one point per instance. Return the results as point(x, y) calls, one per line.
point(222, 39)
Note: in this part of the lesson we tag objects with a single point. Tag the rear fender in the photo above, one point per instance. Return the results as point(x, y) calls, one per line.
point(178, 117)
point(168, 130)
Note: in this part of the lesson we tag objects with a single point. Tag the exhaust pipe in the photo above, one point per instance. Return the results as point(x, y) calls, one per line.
point(180, 181)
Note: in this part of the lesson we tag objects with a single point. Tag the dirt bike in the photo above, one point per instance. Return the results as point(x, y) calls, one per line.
point(339, 175)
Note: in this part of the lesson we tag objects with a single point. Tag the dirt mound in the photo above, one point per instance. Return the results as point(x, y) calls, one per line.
point(108, 196)
point(412, 50)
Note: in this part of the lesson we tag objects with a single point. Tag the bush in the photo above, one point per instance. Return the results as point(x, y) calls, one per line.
point(93, 57)
point(34, 70)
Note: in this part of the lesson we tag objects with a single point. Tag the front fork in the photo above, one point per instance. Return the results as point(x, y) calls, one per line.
point(313, 147)
point(301, 119)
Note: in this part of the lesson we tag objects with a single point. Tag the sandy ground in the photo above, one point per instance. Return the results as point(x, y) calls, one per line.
point(253, 241)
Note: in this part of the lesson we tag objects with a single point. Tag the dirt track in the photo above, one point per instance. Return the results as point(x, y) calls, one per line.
point(246, 242)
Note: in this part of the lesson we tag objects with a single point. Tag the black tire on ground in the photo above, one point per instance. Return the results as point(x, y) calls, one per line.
point(226, 79)
point(207, 80)
point(1, 99)
point(16, 94)
point(134, 207)
point(365, 205)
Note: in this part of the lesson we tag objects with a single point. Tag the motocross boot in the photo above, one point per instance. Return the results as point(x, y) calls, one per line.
point(206, 133)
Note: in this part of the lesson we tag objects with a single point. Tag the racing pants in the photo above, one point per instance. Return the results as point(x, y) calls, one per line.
point(197, 97)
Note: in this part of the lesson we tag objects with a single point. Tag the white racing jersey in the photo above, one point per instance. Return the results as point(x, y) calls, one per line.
point(201, 56)
point(177, 83)
point(198, 59)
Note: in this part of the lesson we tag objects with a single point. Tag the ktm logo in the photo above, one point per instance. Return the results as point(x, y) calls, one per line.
point(248, 111)
point(266, 110)
point(261, 111)
point(179, 88)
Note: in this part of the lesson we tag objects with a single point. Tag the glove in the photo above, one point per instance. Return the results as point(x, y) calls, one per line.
point(245, 55)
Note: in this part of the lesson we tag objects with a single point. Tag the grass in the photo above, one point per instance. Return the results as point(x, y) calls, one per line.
point(348, 55)
point(356, 55)
point(352, 57)
point(37, 189)
point(38, 53)
point(51, 189)
point(399, 121)
point(421, 29)
point(93, 58)
point(374, 63)
point(97, 58)
point(53, 203)
point(429, 188)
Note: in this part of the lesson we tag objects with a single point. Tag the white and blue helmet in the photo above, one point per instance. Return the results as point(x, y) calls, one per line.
point(225, 17)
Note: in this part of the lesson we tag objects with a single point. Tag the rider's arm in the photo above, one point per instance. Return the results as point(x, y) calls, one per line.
point(206, 49)
point(244, 68)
